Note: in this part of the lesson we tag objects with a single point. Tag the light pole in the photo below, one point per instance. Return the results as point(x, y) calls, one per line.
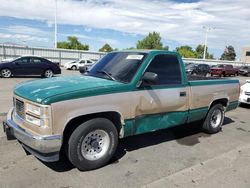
point(205, 44)
point(55, 45)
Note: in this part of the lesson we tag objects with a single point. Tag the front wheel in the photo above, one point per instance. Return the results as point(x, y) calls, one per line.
point(92, 144)
point(6, 73)
point(48, 73)
point(214, 119)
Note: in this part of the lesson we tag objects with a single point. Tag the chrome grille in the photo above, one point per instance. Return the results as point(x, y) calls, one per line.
point(247, 93)
point(19, 108)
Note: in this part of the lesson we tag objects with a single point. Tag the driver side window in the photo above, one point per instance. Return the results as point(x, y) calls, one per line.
point(167, 67)
point(22, 60)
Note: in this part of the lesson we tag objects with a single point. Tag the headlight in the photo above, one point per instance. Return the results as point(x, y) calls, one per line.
point(37, 115)
point(30, 108)
point(42, 112)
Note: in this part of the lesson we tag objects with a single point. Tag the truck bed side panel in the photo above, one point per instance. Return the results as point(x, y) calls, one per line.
point(203, 93)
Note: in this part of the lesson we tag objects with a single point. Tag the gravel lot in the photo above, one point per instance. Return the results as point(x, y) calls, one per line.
point(177, 157)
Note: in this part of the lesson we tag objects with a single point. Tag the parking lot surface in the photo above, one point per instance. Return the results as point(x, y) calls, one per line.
point(177, 157)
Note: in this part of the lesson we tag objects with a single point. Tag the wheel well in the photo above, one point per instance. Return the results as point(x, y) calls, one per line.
point(223, 101)
point(114, 117)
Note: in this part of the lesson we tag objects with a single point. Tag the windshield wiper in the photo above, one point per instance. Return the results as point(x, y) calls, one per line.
point(107, 74)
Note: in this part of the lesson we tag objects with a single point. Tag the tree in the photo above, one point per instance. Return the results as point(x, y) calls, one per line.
point(72, 43)
point(152, 41)
point(186, 51)
point(228, 54)
point(106, 48)
point(200, 51)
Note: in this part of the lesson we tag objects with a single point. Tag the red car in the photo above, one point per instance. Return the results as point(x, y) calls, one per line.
point(224, 70)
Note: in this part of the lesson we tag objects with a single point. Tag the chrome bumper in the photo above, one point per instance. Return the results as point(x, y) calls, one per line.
point(45, 148)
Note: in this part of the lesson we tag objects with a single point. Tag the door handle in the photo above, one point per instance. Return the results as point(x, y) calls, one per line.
point(183, 94)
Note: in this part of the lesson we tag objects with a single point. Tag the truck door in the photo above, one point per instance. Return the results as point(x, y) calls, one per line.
point(164, 104)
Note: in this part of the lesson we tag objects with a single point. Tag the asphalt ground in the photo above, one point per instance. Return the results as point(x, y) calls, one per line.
point(177, 157)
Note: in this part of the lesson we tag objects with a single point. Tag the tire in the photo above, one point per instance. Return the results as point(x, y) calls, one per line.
point(6, 73)
point(73, 67)
point(214, 119)
point(91, 136)
point(248, 74)
point(48, 73)
point(212, 75)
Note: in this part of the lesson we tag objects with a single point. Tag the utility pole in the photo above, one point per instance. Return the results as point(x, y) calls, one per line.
point(55, 45)
point(205, 43)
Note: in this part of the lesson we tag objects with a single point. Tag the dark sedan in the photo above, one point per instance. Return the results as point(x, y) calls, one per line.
point(245, 71)
point(29, 65)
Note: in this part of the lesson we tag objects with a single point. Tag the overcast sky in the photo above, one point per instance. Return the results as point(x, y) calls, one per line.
point(122, 22)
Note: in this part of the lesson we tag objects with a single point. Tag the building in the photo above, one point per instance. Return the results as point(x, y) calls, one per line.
point(245, 57)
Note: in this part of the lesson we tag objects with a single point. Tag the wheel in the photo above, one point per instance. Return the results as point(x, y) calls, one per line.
point(214, 119)
point(73, 67)
point(6, 73)
point(212, 75)
point(92, 144)
point(48, 73)
point(248, 74)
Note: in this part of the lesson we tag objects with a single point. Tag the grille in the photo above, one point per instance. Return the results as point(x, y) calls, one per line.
point(247, 93)
point(19, 107)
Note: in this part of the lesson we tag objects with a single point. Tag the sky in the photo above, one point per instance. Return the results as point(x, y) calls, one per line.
point(121, 23)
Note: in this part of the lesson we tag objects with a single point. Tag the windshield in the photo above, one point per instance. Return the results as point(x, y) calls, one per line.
point(244, 67)
point(120, 66)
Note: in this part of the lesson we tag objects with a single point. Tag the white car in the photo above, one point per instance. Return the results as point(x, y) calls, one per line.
point(74, 65)
point(245, 93)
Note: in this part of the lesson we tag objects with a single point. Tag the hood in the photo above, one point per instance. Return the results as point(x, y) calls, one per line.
point(246, 86)
point(50, 90)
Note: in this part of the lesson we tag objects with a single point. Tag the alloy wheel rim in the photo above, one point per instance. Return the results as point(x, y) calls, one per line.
point(95, 145)
point(216, 118)
point(6, 73)
point(48, 73)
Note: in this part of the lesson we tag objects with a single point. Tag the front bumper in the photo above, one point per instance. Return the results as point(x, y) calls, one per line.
point(244, 99)
point(46, 148)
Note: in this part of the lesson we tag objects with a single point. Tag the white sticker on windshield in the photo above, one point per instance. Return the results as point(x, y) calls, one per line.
point(135, 57)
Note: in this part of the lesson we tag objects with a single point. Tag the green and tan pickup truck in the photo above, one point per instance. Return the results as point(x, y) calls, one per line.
point(126, 93)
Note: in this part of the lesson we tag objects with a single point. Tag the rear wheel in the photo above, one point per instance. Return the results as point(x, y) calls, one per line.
point(73, 67)
point(6, 73)
point(214, 119)
point(48, 73)
point(92, 144)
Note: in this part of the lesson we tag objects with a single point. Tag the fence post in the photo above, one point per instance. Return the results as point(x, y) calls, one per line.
point(4, 52)
point(60, 57)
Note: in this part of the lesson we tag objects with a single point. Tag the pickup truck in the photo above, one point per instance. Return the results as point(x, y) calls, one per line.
point(126, 93)
point(224, 70)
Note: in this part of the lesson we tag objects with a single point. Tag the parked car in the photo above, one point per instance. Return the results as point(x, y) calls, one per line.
point(198, 69)
point(245, 93)
point(29, 65)
point(74, 65)
point(224, 70)
point(245, 71)
point(126, 93)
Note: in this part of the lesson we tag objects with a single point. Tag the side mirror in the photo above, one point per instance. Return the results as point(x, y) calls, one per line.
point(83, 69)
point(149, 78)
